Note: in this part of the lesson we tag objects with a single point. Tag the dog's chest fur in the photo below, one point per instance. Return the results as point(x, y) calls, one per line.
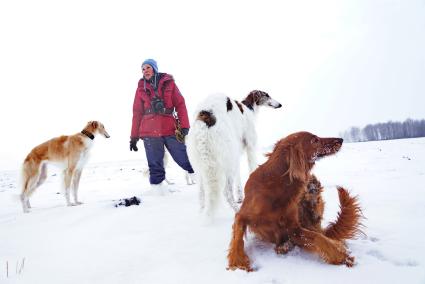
point(84, 154)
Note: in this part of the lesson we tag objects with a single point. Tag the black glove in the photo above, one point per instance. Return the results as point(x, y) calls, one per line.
point(133, 144)
point(185, 131)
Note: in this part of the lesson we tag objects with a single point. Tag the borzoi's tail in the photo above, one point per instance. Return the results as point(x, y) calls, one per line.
point(204, 152)
point(347, 225)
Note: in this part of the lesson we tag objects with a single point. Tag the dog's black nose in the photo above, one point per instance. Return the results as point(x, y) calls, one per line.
point(339, 140)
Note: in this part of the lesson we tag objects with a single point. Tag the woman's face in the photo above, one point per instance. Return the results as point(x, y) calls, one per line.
point(147, 71)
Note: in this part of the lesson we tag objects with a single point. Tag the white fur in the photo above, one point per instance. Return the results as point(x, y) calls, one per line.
point(215, 151)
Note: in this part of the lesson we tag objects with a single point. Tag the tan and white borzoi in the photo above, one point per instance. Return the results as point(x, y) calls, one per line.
point(222, 130)
point(71, 152)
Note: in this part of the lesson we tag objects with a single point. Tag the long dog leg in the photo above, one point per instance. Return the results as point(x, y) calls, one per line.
point(75, 185)
point(42, 176)
point(239, 193)
point(29, 183)
point(68, 173)
point(228, 192)
point(237, 257)
point(201, 193)
point(33, 176)
point(25, 202)
point(331, 251)
point(252, 158)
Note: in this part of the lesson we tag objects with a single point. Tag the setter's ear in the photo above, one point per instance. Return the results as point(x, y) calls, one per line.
point(297, 163)
point(94, 124)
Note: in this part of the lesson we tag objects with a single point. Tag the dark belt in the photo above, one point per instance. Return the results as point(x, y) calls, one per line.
point(164, 111)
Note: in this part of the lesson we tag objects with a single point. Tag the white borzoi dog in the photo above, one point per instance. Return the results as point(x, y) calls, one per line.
point(223, 128)
point(70, 152)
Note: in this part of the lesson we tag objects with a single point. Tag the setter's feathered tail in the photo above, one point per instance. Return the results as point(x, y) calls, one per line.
point(347, 225)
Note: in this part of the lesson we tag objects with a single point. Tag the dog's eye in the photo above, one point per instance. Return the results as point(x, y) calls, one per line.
point(315, 140)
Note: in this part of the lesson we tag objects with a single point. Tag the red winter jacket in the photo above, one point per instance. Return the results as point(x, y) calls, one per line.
point(156, 125)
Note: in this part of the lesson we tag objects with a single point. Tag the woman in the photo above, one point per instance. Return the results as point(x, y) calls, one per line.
point(156, 101)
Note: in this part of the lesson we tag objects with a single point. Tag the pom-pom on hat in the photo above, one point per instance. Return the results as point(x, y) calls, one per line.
point(152, 63)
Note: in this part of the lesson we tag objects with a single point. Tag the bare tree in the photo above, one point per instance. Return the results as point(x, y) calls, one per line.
point(384, 131)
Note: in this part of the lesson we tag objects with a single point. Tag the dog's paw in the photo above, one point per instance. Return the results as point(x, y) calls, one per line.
point(247, 268)
point(239, 262)
point(349, 261)
point(78, 203)
point(284, 248)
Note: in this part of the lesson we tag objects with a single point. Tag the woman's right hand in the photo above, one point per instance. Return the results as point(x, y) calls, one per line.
point(133, 144)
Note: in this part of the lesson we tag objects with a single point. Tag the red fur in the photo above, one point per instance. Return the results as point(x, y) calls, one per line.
point(276, 207)
point(348, 221)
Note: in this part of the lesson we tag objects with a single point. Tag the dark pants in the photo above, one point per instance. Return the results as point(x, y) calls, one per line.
point(154, 147)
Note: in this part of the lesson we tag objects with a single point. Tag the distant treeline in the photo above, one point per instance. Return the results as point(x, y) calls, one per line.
point(386, 131)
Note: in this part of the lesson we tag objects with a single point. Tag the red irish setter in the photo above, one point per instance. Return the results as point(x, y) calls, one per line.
point(283, 204)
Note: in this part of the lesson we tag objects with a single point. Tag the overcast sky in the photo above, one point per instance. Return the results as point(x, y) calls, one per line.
point(332, 64)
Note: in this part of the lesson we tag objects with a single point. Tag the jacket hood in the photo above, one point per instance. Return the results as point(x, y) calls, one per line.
point(159, 77)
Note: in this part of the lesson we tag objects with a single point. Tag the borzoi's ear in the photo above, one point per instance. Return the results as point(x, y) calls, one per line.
point(297, 165)
point(94, 124)
point(251, 100)
point(254, 96)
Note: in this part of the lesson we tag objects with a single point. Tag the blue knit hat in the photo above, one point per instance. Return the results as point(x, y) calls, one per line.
point(152, 63)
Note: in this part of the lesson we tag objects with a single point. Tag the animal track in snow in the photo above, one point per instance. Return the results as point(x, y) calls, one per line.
point(407, 262)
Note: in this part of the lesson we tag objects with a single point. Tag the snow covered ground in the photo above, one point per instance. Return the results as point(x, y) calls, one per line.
point(165, 241)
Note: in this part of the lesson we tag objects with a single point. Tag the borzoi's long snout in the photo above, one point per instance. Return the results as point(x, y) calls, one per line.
point(273, 103)
point(101, 130)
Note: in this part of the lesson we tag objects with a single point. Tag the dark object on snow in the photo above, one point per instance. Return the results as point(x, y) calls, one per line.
point(128, 201)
